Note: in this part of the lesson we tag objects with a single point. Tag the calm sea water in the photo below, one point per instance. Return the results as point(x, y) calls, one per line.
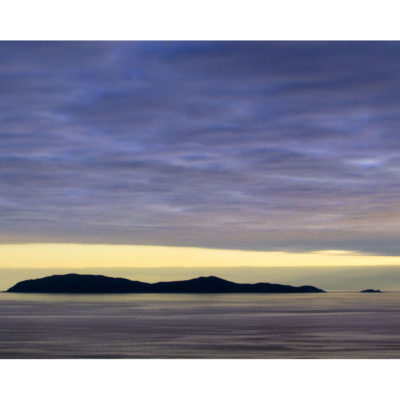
point(330, 325)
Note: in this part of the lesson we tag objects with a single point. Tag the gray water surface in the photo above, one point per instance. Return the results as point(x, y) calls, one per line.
point(326, 325)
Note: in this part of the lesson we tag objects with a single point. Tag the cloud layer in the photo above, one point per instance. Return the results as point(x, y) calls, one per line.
point(250, 145)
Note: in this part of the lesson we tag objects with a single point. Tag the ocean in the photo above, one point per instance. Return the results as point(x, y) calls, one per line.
point(273, 326)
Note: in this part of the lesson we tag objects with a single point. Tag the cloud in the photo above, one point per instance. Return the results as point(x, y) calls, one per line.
point(258, 145)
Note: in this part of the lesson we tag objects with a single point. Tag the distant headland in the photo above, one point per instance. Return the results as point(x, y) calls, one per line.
point(99, 284)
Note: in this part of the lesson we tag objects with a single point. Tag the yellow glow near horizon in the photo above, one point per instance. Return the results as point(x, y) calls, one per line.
point(68, 255)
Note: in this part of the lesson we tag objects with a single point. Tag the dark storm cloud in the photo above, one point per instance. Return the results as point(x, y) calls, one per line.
point(261, 145)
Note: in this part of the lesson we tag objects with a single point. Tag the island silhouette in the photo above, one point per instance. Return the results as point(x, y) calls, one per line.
point(371, 291)
point(100, 284)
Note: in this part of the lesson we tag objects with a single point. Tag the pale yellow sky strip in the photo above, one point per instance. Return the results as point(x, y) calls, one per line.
point(68, 255)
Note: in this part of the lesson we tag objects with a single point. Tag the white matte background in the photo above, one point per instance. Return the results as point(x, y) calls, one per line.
point(201, 20)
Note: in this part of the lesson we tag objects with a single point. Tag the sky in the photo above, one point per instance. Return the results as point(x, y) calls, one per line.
point(267, 148)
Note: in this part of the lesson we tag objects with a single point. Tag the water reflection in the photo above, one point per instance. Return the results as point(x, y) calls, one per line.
point(330, 325)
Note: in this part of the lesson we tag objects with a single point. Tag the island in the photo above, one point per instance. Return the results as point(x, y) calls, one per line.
point(100, 284)
point(371, 291)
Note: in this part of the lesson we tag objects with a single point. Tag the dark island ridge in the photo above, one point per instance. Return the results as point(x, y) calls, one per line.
point(371, 291)
point(76, 283)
